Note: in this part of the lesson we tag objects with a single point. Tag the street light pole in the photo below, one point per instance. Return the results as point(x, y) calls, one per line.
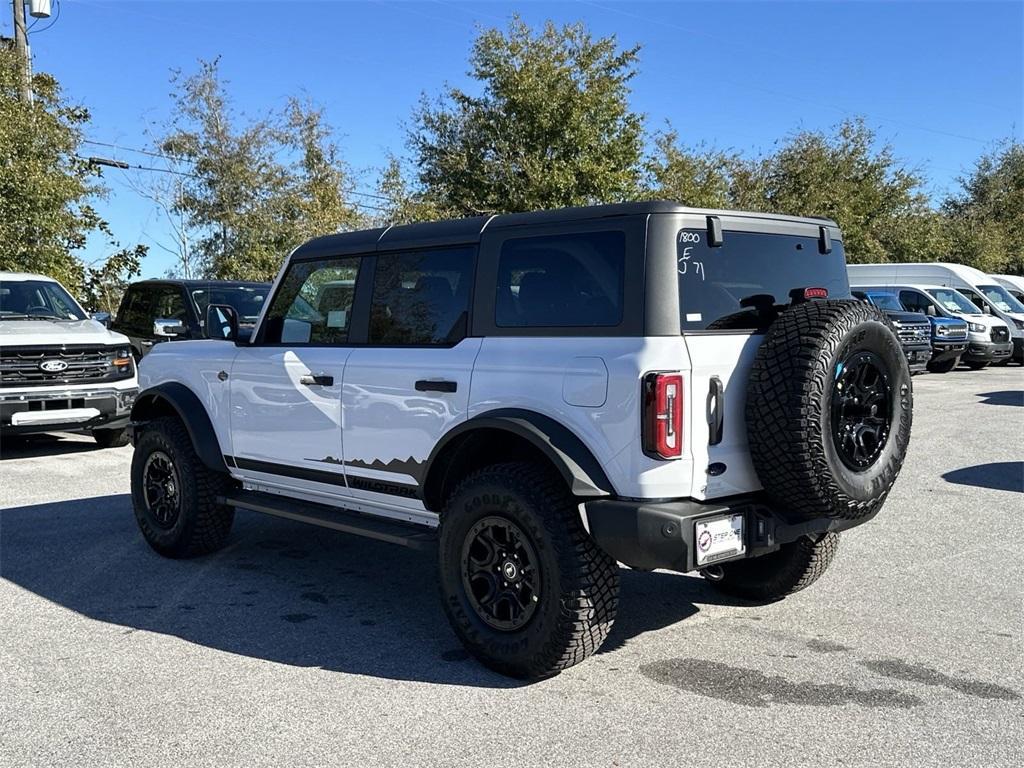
point(21, 47)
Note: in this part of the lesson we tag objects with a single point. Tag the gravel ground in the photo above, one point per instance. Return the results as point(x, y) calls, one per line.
point(296, 646)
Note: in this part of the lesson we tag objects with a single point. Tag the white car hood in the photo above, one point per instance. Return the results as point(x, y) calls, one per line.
point(31, 333)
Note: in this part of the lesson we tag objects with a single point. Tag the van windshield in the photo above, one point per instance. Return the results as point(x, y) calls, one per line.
point(954, 301)
point(1001, 298)
point(744, 283)
point(886, 301)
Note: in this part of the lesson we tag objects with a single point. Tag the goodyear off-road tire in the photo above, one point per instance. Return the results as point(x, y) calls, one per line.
point(175, 495)
point(110, 438)
point(943, 366)
point(810, 436)
point(772, 577)
point(560, 598)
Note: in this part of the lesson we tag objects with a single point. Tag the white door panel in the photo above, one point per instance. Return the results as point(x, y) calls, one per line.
point(729, 358)
point(390, 425)
point(286, 411)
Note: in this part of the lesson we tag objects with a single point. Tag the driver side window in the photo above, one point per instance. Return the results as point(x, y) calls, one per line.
point(313, 304)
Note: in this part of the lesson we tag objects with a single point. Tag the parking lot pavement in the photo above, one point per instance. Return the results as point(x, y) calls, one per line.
point(296, 646)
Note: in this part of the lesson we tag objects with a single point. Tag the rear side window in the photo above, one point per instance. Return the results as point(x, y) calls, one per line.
point(314, 303)
point(744, 283)
point(561, 281)
point(421, 297)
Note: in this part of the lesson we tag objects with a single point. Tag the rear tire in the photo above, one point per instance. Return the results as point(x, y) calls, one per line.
point(558, 602)
point(943, 366)
point(111, 438)
point(793, 567)
point(175, 495)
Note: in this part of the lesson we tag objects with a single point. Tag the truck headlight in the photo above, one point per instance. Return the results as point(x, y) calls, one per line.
point(1018, 323)
point(941, 330)
point(976, 327)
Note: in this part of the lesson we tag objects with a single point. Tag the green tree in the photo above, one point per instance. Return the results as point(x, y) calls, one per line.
point(399, 203)
point(551, 125)
point(875, 199)
point(47, 191)
point(700, 177)
point(257, 187)
point(987, 215)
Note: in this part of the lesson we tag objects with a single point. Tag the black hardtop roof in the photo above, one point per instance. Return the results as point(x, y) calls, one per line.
point(468, 230)
point(203, 283)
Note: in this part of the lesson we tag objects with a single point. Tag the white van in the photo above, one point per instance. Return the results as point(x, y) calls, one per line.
point(1014, 285)
point(983, 290)
point(988, 339)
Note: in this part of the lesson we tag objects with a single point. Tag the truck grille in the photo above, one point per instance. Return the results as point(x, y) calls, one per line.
point(915, 333)
point(954, 333)
point(1000, 334)
point(26, 366)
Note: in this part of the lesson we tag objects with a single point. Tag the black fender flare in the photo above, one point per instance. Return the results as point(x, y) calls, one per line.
point(189, 408)
point(576, 464)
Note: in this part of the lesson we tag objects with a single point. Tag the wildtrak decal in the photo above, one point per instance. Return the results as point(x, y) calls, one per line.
point(409, 466)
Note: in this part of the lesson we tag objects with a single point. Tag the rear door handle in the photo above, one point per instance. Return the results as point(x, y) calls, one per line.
point(317, 380)
point(425, 385)
point(715, 410)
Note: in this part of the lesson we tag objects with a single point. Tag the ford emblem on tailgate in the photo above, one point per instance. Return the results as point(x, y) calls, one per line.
point(53, 366)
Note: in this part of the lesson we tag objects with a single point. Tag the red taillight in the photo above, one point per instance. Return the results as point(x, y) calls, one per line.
point(663, 415)
point(815, 293)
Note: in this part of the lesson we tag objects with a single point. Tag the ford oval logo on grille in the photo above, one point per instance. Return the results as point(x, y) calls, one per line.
point(53, 366)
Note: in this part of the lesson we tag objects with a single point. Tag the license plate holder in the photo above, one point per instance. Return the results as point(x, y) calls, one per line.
point(719, 537)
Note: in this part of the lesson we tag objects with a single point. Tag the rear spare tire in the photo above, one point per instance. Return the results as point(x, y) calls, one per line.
point(829, 409)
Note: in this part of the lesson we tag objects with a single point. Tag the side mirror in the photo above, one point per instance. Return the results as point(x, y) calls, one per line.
point(168, 328)
point(101, 317)
point(930, 310)
point(986, 309)
point(221, 322)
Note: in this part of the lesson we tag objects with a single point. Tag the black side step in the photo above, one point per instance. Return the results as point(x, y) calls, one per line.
point(392, 531)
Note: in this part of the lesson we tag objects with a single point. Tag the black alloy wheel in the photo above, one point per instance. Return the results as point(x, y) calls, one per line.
point(861, 410)
point(161, 489)
point(500, 573)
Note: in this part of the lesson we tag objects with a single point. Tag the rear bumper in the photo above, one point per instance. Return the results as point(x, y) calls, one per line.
point(651, 535)
point(987, 351)
point(63, 411)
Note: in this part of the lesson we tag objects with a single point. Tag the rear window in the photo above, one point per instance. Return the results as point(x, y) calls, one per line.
point(744, 283)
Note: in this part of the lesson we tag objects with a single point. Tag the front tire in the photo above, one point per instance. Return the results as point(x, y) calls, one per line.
point(771, 577)
point(976, 366)
point(175, 495)
point(111, 438)
point(525, 588)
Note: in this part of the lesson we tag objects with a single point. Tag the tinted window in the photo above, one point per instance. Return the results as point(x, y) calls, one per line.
point(313, 304)
point(246, 300)
point(421, 297)
point(136, 310)
point(744, 283)
point(913, 301)
point(169, 304)
point(561, 281)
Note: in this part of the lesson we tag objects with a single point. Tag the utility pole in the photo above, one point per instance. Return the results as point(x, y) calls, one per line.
point(21, 47)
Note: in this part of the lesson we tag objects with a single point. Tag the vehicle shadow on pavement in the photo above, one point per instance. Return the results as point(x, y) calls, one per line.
point(33, 446)
point(1000, 476)
point(1006, 397)
point(280, 591)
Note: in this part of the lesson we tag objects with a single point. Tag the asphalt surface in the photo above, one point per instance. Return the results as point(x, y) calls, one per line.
point(296, 646)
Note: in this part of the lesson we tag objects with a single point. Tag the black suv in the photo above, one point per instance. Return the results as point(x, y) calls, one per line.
point(161, 310)
point(913, 328)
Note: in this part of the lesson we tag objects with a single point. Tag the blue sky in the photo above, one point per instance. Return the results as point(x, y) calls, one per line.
point(941, 81)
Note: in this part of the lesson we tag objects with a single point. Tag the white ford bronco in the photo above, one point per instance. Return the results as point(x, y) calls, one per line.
point(541, 396)
point(60, 370)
